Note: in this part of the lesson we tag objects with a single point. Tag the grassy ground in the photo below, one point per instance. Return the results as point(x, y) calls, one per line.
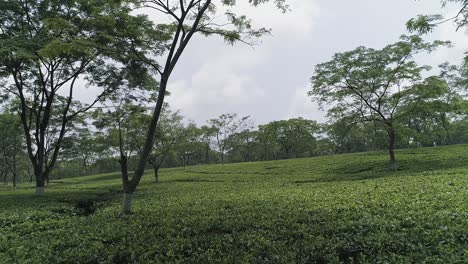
point(318, 210)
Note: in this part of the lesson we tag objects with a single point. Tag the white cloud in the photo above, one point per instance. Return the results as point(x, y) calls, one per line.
point(299, 21)
point(459, 39)
point(222, 84)
point(230, 79)
point(301, 105)
point(270, 82)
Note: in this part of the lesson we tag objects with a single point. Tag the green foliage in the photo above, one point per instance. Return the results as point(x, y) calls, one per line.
point(426, 23)
point(12, 158)
point(291, 211)
point(47, 46)
point(371, 82)
point(423, 24)
point(225, 127)
point(375, 85)
point(295, 137)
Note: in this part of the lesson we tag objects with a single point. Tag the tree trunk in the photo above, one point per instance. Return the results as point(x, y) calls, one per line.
point(130, 185)
point(5, 178)
point(127, 203)
point(175, 52)
point(391, 146)
point(40, 185)
point(156, 174)
point(207, 154)
point(14, 172)
point(85, 165)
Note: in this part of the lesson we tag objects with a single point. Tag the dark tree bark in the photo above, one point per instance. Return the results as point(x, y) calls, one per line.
point(156, 174)
point(180, 41)
point(13, 171)
point(4, 174)
point(391, 146)
point(207, 154)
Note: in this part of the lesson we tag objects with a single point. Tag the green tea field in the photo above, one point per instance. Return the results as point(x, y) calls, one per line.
point(329, 209)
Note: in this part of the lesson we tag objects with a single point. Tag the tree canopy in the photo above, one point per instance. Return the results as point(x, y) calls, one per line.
point(374, 83)
point(51, 48)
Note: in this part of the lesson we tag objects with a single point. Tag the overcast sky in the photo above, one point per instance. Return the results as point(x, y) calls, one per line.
point(270, 82)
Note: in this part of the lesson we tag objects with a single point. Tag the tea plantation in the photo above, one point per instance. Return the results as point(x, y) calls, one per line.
point(330, 209)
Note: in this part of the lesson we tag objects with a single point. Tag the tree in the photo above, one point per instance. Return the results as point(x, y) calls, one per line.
point(225, 126)
point(169, 133)
point(11, 145)
point(84, 147)
point(373, 83)
point(187, 18)
point(190, 149)
point(121, 121)
point(207, 135)
point(295, 137)
point(46, 49)
point(432, 119)
point(424, 24)
point(348, 133)
point(244, 144)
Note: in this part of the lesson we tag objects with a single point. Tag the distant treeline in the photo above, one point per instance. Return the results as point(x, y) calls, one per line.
point(93, 144)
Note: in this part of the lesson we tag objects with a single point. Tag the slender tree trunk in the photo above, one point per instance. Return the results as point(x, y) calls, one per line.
point(127, 195)
point(131, 185)
point(85, 166)
point(127, 202)
point(156, 174)
point(14, 181)
point(40, 180)
point(40, 185)
point(177, 47)
point(14, 172)
point(391, 146)
point(207, 154)
point(30, 177)
point(448, 139)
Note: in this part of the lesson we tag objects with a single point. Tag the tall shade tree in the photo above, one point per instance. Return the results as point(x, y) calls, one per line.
point(207, 136)
point(186, 19)
point(295, 137)
point(373, 83)
point(225, 126)
point(83, 146)
point(169, 133)
point(349, 134)
point(11, 145)
point(48, 50)
point(243, 144)
point(447, 104)
point(189, 148)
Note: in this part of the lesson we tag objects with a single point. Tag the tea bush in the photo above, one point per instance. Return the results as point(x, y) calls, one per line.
point(331, 209)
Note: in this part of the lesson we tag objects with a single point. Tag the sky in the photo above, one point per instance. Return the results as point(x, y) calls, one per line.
point(270, 81)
